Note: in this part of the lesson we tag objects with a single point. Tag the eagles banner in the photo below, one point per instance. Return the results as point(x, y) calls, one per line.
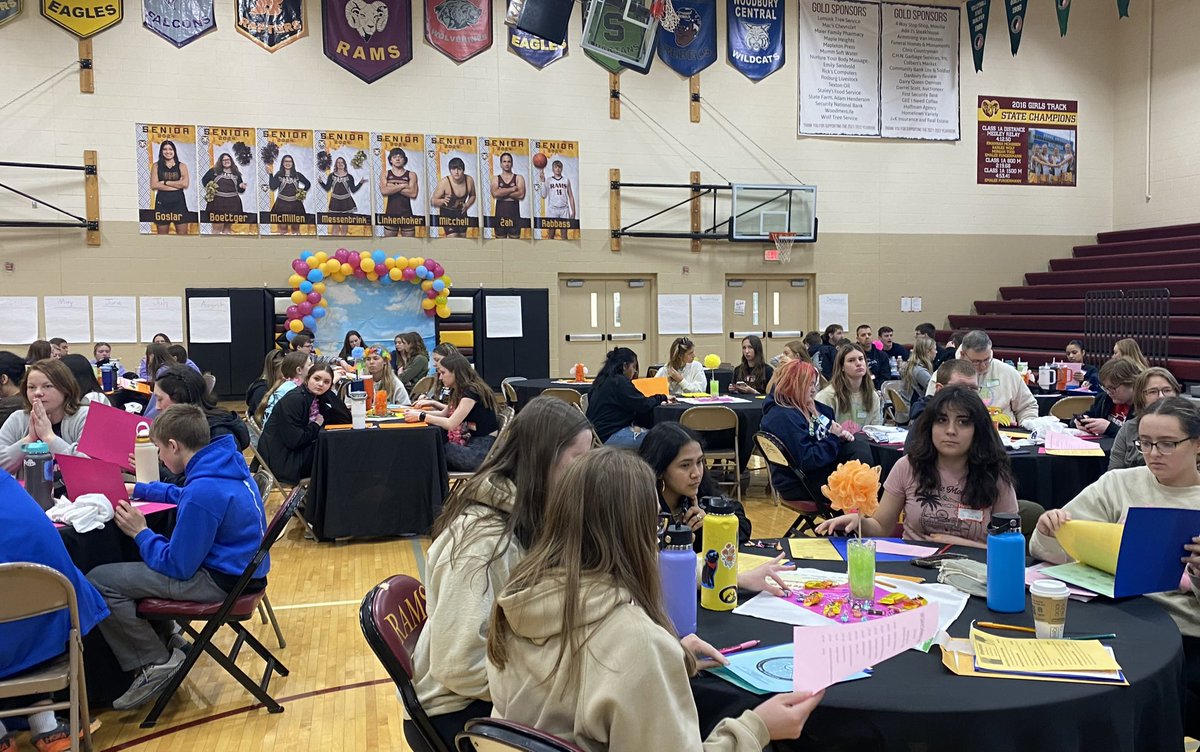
point(977, 20)
point(178, 21)
point(459, 29)
point(9, 9)
point(271, 24)
point(692, 47)
point(369, 38)
point(755, 37)
point(84, 18)
point(1015, 9)
point(534, 50)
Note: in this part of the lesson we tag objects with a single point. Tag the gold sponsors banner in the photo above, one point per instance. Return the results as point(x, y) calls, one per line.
point(84, 18)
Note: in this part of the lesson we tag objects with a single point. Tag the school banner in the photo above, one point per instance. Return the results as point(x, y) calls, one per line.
point(84, 18)
point(919, 86)
point(977, 21)
point(9, 9)
point(225, 160)
point(1123, 8)
point(534, 50)
point(755, 37)
point(459, 29)
point(397, 171)
point(369, 38)
point(692, 46)
point(179, 21)
point(1063, 9)
point(452, 170)
point(285, 172)
point(555, 190)
point(166, 158)
point(1015, 10)
point(271, 24)
point(609, 64)
point(340, 203)
point(504, 183)
point(1027, 141)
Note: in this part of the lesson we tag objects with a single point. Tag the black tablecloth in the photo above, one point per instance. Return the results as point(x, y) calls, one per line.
point(1049, 480)
point(529, 389)
point(376, 482)
point(912, 702)
point(749, 417)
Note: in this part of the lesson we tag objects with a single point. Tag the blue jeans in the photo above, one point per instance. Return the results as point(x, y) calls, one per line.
point(627, 438)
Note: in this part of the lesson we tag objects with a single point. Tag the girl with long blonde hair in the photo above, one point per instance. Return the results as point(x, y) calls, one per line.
point(851, 393)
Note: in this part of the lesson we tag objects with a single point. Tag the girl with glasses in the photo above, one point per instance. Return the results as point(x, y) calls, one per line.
point(1152, 385)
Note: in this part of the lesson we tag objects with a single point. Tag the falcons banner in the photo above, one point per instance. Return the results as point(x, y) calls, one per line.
point(178, 21)
point(369, 38)
point(692, 47)
point(459, 29)
point(755, 39)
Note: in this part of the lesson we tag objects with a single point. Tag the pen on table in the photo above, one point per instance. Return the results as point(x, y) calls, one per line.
point(946, 548)
point(1105, 636)
point(738, 648)
point(1009, 627)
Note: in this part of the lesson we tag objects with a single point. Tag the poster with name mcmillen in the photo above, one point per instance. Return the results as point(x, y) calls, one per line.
point(398, 168)
point(1027, 141)
point(555, 189)
point(342, 200)
point(285, 179)
point(228, 186)
point(453, 178)
point(166, 159)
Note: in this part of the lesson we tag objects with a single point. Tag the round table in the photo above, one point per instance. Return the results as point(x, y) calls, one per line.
point(529, 389)
point(912, 702)
point(749, 415)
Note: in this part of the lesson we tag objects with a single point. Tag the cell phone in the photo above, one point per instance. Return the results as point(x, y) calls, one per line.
point(931, 562)
point(1078, 417)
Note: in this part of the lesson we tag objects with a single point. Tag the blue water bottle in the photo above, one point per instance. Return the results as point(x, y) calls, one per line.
point(1005, 564)
point(677, 568)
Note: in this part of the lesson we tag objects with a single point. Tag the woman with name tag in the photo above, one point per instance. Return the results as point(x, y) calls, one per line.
point(851, 393)
point(289, 441)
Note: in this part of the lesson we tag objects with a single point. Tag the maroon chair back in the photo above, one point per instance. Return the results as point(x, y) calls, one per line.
point(497, 735)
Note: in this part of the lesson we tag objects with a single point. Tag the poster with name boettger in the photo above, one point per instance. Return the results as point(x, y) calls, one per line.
point(228, 187)
point(1027, 141)
point(285, 180)
point(398, 169)
point(166, 160)
point(555, 189)
point(342, 200)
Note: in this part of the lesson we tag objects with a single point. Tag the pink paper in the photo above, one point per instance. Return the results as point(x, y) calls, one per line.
point(84, 476)
point(827, 655)
point(150, 507)
point(1055, 440)
point(904, 549)
point(109, 434)
point(1034, 573)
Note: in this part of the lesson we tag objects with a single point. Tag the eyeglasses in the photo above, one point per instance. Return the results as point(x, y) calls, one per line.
point(1165, 447)
point(1165, 391)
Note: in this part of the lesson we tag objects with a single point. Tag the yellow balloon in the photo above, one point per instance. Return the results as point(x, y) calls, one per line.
point(372, 277)
point(443, 312)
point(390, 263)
point(299, 297)
point(441, 299)
point(295, 280)
point(427, 285)
point(339, 277)
point(347, 270)
point(323, 303)
point(333, 266)
point(367, 265)
point(322, 257)
point(319, 287)
point(447, 280)
point(396, 274)
point(415, 262)
point(427, 304)
point(312, 262)
point(296, 325)
point(401, 262)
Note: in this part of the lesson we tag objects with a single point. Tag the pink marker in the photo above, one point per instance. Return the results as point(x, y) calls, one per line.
point(739, 648)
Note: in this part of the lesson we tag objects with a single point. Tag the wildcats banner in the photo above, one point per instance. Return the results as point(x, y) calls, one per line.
point(271, 24)
point(534, 50)
point(1015, 9)
point(398, 172)
point(83, 18)
point(505, 166)
point(692, 47)
point(459, 29)
point(9, 9)
point(285, 167)
point(225, 160)
point(342, 207)
point(369, 38)
point(1027, 141)
point(179, 21)
point(755, 37)
point(555, 190)
point(166, 156)
point(452, 172)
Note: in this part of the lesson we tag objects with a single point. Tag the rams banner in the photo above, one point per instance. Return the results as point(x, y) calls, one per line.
point(83, 18)
point(271, 24)
point(755, 37)
point(459, 29)
point(178, 21)
point(369, 38)
point(534, 50)
point(692, 47)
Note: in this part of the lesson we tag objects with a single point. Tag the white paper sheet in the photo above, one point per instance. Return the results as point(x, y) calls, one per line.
point(739, 308)
point(19, 324)
point(833, 308)
point(503, 316)
point(114, 318)
point(706, 314)
point(68, 316)
point(162, 314)
point(209, 320)
point(674, 314)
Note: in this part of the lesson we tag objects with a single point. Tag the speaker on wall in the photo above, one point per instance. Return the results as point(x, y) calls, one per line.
point(547, 19)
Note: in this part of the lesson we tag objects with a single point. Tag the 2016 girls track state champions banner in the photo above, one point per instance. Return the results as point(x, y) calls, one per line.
point(755, 37)
point(369, 38)
point(459, 29)
point(271, 24)
point(179, 21)
point(534, 50)
point(9, 9)
point(692, 46)
point(84, 18)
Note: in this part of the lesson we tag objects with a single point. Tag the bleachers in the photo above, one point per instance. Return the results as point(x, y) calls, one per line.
point(1034, 321)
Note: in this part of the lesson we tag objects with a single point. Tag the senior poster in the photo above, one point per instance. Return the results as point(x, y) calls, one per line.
point(504, 187)
point(396, 178)
point(342, 200)
point(285, 173)
point(555, 190)
point(228, 194)
point(453, 174)
point(839, 68)
point(166, 159)
point(1027, 141)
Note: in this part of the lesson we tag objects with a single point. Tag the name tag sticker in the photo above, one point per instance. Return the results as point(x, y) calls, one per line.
point(970, 515)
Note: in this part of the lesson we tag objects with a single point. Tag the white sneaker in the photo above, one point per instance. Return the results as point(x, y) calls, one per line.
point(149, 682)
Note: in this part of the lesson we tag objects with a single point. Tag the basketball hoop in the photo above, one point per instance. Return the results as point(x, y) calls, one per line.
point(664, 12)
point(783, 245)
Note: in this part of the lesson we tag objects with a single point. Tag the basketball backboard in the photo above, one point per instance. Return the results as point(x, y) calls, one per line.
point(622, 30)
point(760, 209)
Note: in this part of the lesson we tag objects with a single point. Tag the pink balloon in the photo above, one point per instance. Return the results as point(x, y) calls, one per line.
point(305, 308)
point(314, 298)
point(291, 311)
point(354, 257)
point(438, 270)
point(431, 293)
point(299, 267)
point(360, 274)
point(430, 312)
point(408, 273)
point(430, 264)
point(341, 255)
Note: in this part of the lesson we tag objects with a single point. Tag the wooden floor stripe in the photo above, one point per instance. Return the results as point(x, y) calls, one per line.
point(325, 604)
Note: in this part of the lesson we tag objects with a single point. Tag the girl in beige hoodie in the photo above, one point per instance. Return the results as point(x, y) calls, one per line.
point(579, 645)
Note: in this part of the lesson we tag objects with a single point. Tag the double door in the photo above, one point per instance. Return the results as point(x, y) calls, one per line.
point(597, 314)
point(776, 309)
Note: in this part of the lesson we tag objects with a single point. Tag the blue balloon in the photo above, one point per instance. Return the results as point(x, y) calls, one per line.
point(438, 285)
point(319, 312)
point(378, 256)
point(309, 322)
point(306, 287)
point(290, 335)
point(305, 254)
point(357, 353)
point(316, 275)
point(422, 272)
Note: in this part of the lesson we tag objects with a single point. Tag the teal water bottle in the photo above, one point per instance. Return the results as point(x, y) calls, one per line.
point(1005, 564)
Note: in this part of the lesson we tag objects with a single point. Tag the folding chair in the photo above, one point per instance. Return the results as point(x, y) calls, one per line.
point(496, 735)
point(255, 429)
point(35, 590)
point(1068, 407)
point(421, 388)
point(510, 392)
point(237, 607)
point(265, 483)
point(899, 406)
point(570, 396)
point(392, 616)
point(708, 418)
point(807, 510)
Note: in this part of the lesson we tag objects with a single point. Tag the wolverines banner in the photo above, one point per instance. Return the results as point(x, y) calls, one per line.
point(369, 38)
point(755, 37)
point(505, 166)
point(341, 204)
point(556, 190)
point(397, 169)
point(285, 171)
point(179, 21)
point(271, 24)
point(225, 160)
point(692, 46)
point(166, 156)
point(452, 165)
point(1027, 141)
point(83, 18)
point(459, 29)
point(9, 9)
point(534, 50)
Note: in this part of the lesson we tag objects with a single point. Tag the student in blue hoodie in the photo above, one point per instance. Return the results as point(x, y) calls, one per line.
point(27, 535)
point(219, 525)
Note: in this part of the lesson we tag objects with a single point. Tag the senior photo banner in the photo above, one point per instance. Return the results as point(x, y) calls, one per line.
point(9, 9)
point(339, 201)
point(452, 174)
point(166, 160)
point(1027, 141)
point(755, 37)
point(179, 21)
point(369, 38)
point(271, 24)
point(285, 173)
point(397, 172)
point(459, 29)
point(839, 68)
point(692, 46)
point(84, 18)
point(504, 187)
point(534, 50)
point(1015, 10)
point(977, 22)
point(919, 82)
point(555, 190)
point(226, 161)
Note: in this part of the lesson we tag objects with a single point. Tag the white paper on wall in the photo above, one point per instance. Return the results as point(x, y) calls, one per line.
point(503, 317)
point(162, 314)
point(68, 316)
point(707, 314)
point(674, 315)
point(19, 324)
point(834, 308)
point(114, 318)
point(209, 320)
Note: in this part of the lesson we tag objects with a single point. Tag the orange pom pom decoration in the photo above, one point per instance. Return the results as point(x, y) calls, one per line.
point(854, 487)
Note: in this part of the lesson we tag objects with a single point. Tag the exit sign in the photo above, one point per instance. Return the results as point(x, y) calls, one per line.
point(771, 254)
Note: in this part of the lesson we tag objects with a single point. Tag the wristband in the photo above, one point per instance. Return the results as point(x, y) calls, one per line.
point(422, 416)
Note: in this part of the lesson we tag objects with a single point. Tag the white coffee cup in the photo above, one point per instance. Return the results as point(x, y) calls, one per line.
point(1049, 608)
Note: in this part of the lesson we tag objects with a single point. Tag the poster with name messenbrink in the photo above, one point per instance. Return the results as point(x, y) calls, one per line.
point(1027, 141)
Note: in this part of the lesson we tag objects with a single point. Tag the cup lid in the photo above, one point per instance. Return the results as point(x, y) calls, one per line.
point(37, 447)
point(1049, 589)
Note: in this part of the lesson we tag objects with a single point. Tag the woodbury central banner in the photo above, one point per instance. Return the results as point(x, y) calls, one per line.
point(369, 38)
point(84, 18)
point(1027, 141)
point(755, 37)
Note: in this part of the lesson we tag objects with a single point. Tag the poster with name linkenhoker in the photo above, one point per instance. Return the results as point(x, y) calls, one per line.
point(1026, 141)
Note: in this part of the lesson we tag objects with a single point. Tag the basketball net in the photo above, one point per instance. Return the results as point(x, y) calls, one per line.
point(783, 243)
point(664, 12)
